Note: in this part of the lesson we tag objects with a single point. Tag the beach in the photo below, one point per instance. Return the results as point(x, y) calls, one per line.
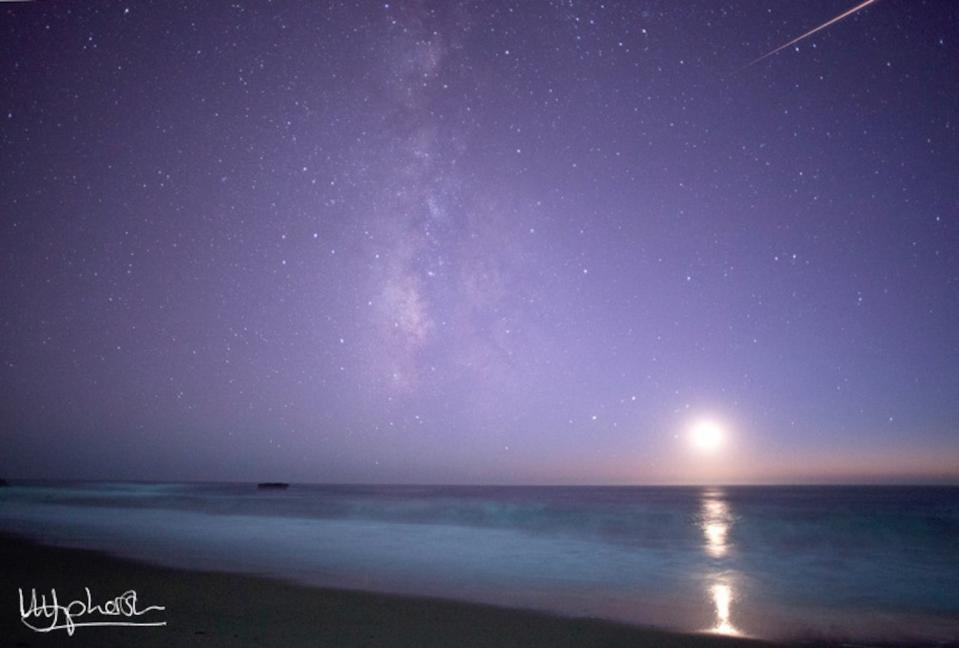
point(453, 323)
point(229, 610)
point(843, 565)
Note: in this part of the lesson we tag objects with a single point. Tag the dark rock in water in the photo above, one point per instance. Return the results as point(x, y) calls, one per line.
point(4, 482)
point(272, 485)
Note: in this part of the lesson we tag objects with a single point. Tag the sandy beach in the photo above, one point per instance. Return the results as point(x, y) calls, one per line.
point(216, 609)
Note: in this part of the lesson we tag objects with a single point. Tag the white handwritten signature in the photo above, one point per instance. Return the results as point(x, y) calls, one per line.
point(62, 617)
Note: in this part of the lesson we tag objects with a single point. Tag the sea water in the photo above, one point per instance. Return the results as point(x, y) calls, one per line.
point(857, 563)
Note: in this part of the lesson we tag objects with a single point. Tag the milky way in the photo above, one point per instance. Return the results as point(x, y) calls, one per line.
point(478, 242)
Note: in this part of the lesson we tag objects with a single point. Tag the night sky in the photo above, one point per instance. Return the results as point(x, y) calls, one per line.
point(480, 242)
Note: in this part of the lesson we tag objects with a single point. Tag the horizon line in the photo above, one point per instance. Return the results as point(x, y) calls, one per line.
point(948, 482)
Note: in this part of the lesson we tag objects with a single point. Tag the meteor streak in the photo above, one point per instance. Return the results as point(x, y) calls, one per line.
point(845, 14)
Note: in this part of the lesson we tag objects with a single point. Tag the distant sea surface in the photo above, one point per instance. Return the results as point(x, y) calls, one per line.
point(856, 563)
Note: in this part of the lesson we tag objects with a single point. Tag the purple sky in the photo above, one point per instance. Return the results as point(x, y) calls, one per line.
point(478, 242)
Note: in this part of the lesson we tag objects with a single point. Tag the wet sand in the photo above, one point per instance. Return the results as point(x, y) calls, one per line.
point(230, 610)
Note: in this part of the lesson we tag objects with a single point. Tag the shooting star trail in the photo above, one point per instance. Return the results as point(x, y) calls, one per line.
point(845, 14)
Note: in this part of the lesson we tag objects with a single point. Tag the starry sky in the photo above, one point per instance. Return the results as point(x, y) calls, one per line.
point(479, 242)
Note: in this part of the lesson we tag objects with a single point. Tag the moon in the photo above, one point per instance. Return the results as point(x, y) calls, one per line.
point(707, 435)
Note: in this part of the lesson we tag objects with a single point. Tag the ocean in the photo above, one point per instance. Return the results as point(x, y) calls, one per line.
point(849, 563)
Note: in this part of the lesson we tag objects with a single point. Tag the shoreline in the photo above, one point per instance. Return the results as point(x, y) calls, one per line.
point(235, 610)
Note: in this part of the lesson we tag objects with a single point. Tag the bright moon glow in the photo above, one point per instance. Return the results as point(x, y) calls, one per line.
point(707, 435)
